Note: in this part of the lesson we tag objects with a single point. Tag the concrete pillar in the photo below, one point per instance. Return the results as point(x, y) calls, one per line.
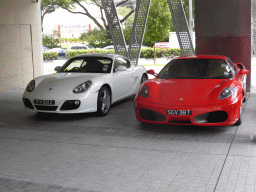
point(223, 27)
point(20, 43)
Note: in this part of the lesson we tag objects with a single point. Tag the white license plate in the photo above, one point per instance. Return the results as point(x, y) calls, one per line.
point(44, 102)
point(179, 112)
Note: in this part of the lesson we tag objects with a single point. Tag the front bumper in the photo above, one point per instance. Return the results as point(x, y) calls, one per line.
point(66, 103)
point(223, 114)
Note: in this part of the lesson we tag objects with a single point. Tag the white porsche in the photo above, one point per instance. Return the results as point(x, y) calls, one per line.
point(85, 83)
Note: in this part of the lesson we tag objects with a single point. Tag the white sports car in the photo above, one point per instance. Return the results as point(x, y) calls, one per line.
point(85, 83)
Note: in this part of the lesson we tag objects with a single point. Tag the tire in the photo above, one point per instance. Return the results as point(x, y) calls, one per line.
point(245, 99)
point(104, 101)
point(144, 78)
point(239, 121)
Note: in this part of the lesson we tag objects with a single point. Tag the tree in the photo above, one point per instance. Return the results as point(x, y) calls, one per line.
point(70, 5)
point(97, 38)
point(51, 40)
point(101, 38)
point(124, 11)
point(159, 22)
point(46, 7)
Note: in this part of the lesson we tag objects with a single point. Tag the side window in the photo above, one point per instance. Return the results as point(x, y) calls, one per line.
point(116, 64)
point(233, 65)
point(122, 61)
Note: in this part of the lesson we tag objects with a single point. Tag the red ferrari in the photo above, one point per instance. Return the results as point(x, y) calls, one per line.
point(203, 90)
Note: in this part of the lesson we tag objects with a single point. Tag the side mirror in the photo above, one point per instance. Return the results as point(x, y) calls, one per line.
point(121, 68)
point(152, 72)
point(242, 72)
point(57, 68)
point(240, 65)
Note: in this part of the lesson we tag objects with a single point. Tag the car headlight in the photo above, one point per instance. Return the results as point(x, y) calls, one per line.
point(82, 87)
point(228, 91)
point(31, 86)
point(144, 91)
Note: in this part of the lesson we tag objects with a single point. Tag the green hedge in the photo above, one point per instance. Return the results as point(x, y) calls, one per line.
point(145, 53)
point(160, 52)
point(50, 55)
point(70, 54)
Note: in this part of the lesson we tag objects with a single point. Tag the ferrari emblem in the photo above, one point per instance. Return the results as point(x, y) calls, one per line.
point(181, 99)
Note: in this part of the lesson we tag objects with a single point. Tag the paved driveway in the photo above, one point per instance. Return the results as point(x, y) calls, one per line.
point(86, 153)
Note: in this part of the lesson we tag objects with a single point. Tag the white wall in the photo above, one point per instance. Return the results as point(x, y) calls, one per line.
point(20, 43)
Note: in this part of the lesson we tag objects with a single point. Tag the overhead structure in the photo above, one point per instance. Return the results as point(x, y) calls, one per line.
point(139, 25)
point(115, 27)
point(253, 27)
point(181, 27)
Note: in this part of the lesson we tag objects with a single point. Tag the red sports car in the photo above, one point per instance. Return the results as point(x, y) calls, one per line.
point(203, 90)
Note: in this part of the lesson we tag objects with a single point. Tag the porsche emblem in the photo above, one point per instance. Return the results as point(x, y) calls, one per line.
point(50, 89)
point(181, 99)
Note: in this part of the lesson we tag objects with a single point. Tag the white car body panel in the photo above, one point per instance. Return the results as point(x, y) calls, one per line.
point(59, 87)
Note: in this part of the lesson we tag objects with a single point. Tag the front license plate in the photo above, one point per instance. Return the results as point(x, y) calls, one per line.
point(44, 102)
point(179, 112)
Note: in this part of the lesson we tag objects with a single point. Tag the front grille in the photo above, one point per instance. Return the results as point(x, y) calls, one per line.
point(212, 117)
point(151, 115)
point(181, 122)
point(46, 108)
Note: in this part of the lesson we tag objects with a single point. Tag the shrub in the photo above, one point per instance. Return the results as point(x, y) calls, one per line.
point(160, 52)
point(51, 40)
point(50, 55)
point(145, 53)
point(70, 54)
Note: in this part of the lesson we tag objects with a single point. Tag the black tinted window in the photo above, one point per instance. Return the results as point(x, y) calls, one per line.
point(87, 65)
point(196, 69)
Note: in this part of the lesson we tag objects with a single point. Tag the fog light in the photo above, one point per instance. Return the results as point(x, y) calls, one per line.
point(70, 105)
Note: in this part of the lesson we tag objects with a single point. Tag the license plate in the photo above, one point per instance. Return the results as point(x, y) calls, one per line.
point(44, 102)
point(179, 112)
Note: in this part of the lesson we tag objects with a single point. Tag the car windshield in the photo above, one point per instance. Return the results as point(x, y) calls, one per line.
point(87, 65)
point(196, 69)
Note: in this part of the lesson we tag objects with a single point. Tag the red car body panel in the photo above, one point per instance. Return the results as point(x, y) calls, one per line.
point(169, 98)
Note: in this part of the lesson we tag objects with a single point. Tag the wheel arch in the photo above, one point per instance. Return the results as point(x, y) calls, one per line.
point(110, 90)
point(144, 73)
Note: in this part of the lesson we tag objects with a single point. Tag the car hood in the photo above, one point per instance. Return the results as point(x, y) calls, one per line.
point(62, 82)
point(190, 91)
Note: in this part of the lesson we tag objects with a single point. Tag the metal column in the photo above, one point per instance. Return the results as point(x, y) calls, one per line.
point(115, 27)
point(139, 25)
point(181, 27)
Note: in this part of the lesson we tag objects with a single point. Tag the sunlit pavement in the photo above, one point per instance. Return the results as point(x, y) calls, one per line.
point(115, 153)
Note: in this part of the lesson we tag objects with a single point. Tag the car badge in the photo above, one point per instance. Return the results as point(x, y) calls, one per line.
point(181, 99)
point(50, 89)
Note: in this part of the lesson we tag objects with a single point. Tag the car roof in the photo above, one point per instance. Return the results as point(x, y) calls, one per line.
point(203, 57)
point(108, 55)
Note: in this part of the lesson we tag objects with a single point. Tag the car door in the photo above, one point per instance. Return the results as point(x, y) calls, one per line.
point(122, 80)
